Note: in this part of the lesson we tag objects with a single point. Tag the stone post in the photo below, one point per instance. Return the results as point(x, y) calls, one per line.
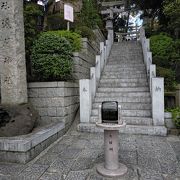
point(148, 44)
point(105, 54)
point(98, 68)
point(102, 54)
point(12, 53)
point(107, 49)
point(158, 101)
point(93, 81)
point(149, 62)
point(142, 34)
point(85, 100)
point(152, 74)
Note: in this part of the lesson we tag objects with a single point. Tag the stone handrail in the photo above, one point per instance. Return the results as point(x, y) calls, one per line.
point(156, 84)
point(88, 86)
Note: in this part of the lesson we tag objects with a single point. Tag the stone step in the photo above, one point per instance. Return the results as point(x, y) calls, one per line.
point(124, 99)
point(124, 62)
point(129, 106)
point(122, 94)
point(129, 120)
point(137, 80)
point(128, 113)
point(129, 129)
point(124, 72)
point(121, 76)
point(132, 89)
point(125, 55)
point(125, 65)
point(120, 69)
point(125, 84)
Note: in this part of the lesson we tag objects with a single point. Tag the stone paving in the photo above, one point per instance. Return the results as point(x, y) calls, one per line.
point(76, 155)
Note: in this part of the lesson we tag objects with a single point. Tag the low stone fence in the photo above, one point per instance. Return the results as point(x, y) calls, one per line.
point(156, 84)
point(54, 101)
point(168, 120)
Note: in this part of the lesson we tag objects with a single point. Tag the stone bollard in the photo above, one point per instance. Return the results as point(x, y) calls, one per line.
point(110, 121)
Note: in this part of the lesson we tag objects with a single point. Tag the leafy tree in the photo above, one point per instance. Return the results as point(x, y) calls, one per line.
point(89, 15)
point(171, 10)
point(166, 55)
point(32, 12)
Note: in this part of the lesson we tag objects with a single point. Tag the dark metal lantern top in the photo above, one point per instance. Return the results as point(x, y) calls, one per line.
point(109, 112)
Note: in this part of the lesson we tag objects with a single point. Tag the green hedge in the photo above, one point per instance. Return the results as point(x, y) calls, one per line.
point(52, 58)
point(72, 37)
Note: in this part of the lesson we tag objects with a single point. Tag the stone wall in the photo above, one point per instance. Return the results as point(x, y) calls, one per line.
point(55, 101)
point(85, 59)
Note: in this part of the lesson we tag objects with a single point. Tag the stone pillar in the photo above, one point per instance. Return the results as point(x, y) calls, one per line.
point(93, 81)
point(152, 74)
point(98, 68)
point(12, 53)
point(158, 101)
point(102, 55)
point(85, 100)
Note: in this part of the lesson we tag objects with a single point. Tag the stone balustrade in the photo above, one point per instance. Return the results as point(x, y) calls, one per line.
point(156, 84)
point(88, 86)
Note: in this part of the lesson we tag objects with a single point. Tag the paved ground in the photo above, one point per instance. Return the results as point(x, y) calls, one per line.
point(75, 156)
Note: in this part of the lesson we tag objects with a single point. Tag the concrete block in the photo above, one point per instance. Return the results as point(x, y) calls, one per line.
point(52, 111)
point(42, 111)
point(42, 84)
point(168, 120)
point(42, 92)
point(33, 93)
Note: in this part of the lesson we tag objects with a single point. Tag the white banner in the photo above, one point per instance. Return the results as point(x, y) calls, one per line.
point(68, 12)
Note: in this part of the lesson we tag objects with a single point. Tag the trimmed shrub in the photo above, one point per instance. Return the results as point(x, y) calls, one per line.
point(52, 58)
point(72, 37)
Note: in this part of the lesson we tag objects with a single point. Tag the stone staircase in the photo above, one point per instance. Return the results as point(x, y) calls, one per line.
point(124, 80)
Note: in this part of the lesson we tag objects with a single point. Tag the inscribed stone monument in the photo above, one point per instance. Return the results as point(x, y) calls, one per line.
point(12, 53)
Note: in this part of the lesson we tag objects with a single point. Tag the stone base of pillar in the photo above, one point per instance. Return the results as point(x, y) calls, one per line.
point(112, 173)
point(111, 167)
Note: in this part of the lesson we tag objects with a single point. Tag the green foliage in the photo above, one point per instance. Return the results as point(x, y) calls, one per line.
point(169, 78)
point(161, 45)
point(171, 9)
point(72, 37)
point(176, 116)
point(31, 13)
point(85, 32)
point(52, 57)
point(89, 15)
point(167, 58)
